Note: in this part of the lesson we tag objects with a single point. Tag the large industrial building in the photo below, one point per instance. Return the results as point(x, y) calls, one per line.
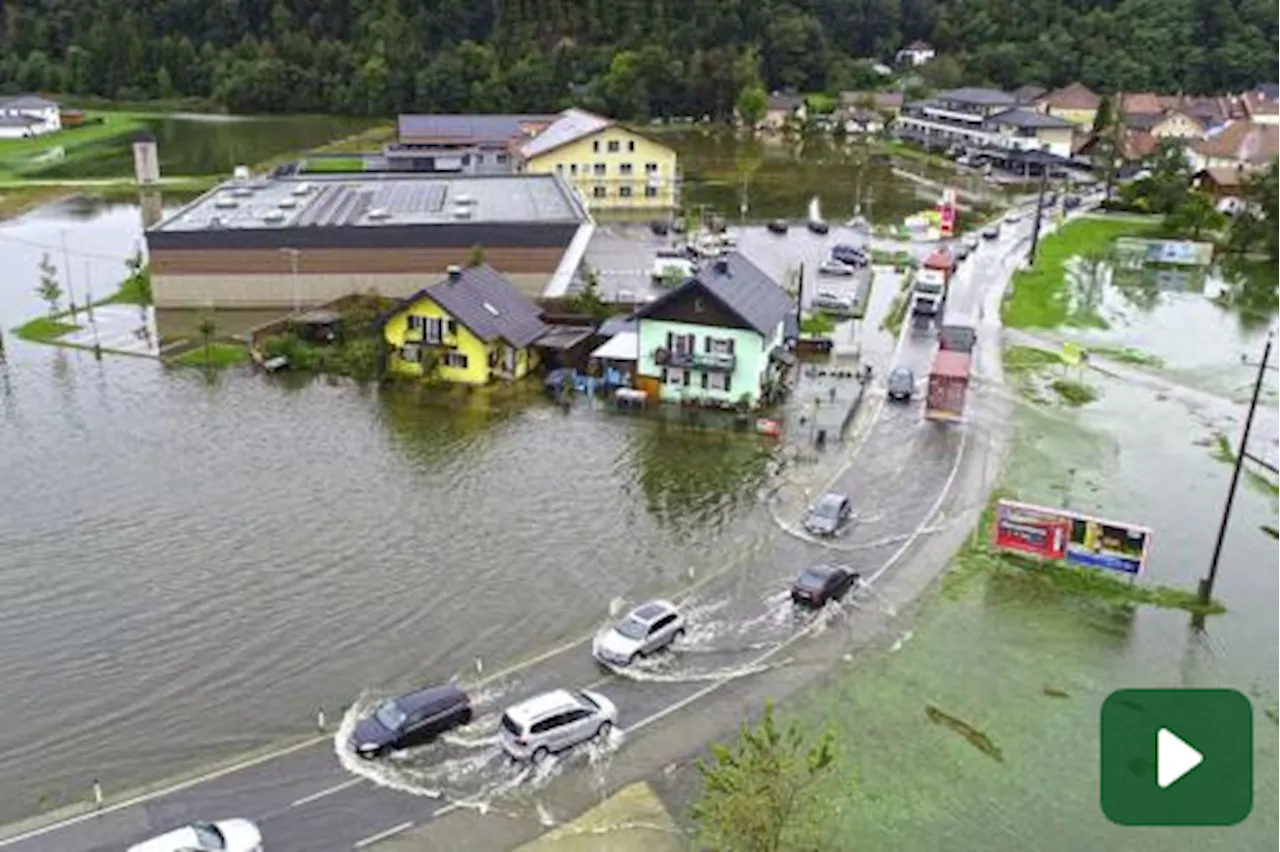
point(289, 242)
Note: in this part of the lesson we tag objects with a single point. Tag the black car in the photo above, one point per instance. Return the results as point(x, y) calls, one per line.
point(659, 228)
point(777, 226)
point(828, 515)
point(822, 583)
point(851, 255)
point(818, 226)
point(902, 383)
point(411, 719)
point(1071, 202)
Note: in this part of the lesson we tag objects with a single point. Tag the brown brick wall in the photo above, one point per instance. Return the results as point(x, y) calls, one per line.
point(348, 261)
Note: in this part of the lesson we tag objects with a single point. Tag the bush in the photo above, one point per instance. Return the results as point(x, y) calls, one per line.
point(357, 357)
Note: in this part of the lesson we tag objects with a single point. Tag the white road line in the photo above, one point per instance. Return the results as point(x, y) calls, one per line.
point(156, 794)
point(383, 835)
point(328, 792)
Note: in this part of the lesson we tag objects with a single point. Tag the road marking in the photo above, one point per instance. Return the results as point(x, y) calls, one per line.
point(176, 788)
point(330, 791)
point(383, 835)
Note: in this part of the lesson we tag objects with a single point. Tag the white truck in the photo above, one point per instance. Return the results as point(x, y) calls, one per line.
point(673, 270)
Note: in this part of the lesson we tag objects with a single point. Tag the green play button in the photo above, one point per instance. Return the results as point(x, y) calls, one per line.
point(1177, 757)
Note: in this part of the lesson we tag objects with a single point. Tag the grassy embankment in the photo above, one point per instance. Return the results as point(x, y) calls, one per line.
point(216, 356)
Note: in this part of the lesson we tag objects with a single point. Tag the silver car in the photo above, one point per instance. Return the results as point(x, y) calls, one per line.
point(646, 629)
point(835, 267)
point(833, 303)
point(555, 721)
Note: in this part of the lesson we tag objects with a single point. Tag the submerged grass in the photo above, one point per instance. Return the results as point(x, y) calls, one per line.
point(1040, 295)
point(1127, 355)
point(44, 330)
point(1074, 393)
point(1027, 369)
point(217, 356)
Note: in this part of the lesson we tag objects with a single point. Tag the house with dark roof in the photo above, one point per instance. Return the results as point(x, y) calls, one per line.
point(717, 339)
point(781, 109)
point(472, 327)
point(29, 115)
point(1027, 95)
point(462, 144)
point(1239, 144)
point(976, 118)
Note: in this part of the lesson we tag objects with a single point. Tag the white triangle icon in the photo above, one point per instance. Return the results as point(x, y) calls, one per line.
point(1174, 757)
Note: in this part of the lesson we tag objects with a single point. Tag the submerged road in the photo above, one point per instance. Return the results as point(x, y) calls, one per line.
point(740, 622)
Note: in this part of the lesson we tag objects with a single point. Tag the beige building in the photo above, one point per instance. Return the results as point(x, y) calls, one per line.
point(1076, 103)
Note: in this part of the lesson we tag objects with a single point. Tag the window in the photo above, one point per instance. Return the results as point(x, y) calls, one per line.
point(651, 168)
point(719, 381)
point(613, 146)
point(650, 192)
point(599, 169)
point(560, 168)
point(624, 169)
point(595, 146)
point(454, 358)
point(675, 377)
point(479, 159)
point(681, 344)
point(598, 191)
point(433, 329)
point(631, 144)
point(502, 158)
point(719, 346)
point(624, 192)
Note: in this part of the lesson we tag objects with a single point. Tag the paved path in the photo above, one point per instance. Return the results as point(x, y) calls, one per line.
point(117, 328)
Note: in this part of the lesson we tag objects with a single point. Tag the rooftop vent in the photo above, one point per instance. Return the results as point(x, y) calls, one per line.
point(273, 216)
point(462, 213)
point(722, 266)
point(454, 271)
point(215, 222)
point(491, 309)
point(464, 201)
point(302, 189)
point(242, 191)
point(287, 203)
point(378, 214)
point(225, 202)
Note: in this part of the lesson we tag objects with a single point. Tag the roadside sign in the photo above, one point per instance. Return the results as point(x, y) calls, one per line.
point(1061, 535)
point(1073, 354)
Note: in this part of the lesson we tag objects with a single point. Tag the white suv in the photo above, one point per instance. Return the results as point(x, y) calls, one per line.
point(646, 629)
point(555, 721)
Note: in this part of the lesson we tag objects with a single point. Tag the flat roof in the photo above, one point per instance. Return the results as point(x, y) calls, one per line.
point(376, 201)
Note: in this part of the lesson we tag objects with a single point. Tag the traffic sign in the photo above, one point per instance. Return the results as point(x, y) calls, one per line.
point(1176, 757)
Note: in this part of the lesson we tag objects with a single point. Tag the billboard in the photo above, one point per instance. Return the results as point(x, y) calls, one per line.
point(947, 213)
point(1176, 252)
point(1060, 535)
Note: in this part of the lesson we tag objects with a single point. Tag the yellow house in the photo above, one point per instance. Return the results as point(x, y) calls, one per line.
point(612, 167)
point(472, 328)
point(1076, 103)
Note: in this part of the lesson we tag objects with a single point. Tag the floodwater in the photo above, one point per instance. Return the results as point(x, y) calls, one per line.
point(206, 144)
point(191, 566)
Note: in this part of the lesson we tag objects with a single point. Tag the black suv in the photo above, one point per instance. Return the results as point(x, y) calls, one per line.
point(411, 719)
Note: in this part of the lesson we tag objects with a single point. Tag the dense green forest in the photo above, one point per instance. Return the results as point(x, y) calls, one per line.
point(633, 58)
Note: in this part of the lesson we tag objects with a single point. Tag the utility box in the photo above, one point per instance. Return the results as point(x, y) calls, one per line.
point(146, 160)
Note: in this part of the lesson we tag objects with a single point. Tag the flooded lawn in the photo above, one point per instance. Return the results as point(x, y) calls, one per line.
point(1028, 668)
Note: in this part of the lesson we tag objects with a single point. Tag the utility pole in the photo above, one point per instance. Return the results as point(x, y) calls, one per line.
point(293, 254)
point(1206, 585)
point(1035, 233)
point(66, 270)
point(799, 298)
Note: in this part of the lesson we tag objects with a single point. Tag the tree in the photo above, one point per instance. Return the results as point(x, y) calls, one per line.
point(1257, 226)
point(761, 793)
point(476, 256)
point(1194, 216)
point(1167, 183)
point(208, 327)
point(138, 280)
point(48, 289)
point(1104, 117)
point(752, 104)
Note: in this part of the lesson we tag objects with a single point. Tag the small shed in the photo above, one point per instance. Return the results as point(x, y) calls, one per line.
point(566, 346)
point(319, 326)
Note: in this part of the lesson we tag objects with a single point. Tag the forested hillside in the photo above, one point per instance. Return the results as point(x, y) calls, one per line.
point(633, 58)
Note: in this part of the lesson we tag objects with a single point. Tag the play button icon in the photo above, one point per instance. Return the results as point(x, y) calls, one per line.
point(1174, 757)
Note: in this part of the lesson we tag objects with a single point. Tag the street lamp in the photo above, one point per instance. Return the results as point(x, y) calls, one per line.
point(293, 254)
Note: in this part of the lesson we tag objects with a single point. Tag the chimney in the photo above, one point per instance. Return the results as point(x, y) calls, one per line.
point(455, 271)
point(722, 266)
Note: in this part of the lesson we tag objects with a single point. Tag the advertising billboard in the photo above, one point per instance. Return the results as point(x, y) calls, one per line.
point(1061, 535)
point(947, 213)
point(1176, 252)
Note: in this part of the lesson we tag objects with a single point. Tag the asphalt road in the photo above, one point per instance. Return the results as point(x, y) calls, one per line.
point(309, 799)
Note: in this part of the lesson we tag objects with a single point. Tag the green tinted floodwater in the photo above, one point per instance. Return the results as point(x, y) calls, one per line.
point(987, 650)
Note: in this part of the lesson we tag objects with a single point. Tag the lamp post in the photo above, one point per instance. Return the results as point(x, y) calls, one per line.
point(293, 254)
point(1206, 584)
point(1035, 232)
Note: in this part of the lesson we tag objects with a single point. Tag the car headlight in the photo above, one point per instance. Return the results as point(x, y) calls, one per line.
point(365, 748)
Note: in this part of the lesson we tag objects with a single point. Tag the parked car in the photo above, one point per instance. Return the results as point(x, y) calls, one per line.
point(555, 721)
point(828, 515)
point(815, 586)
point(851, 255)
point(902, 384)
point(777, 226)
point(835, 267)
point(1013, 218)
point(411, 719)
point(1071, 202)
point(659, 227)
point(991, 232)
point(645, 629)
point(833, 303)
point(228, 835)
point(818, 226)
point(960, 251)
point(971, 242)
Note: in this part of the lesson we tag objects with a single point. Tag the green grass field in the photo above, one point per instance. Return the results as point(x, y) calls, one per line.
point(218, 356)
point(16, 155)
point(335, 164)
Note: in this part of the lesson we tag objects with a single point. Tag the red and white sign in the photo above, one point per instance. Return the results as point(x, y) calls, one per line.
point(947, 212)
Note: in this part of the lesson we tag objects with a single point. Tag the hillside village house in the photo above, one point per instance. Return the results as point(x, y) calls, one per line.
point(976, 117)
point(781, 110)
point(1226, 185)
point(717, 339)
point(612, 167)
point(471, 328)
point(916, 54)
point(867, 112)
point(1077, 103)
point(29, 115)
point(1241, 144)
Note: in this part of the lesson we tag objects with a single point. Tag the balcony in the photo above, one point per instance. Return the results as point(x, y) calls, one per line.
point(713, 362)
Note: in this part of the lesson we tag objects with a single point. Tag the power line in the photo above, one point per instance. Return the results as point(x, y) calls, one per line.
point(54, 248)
